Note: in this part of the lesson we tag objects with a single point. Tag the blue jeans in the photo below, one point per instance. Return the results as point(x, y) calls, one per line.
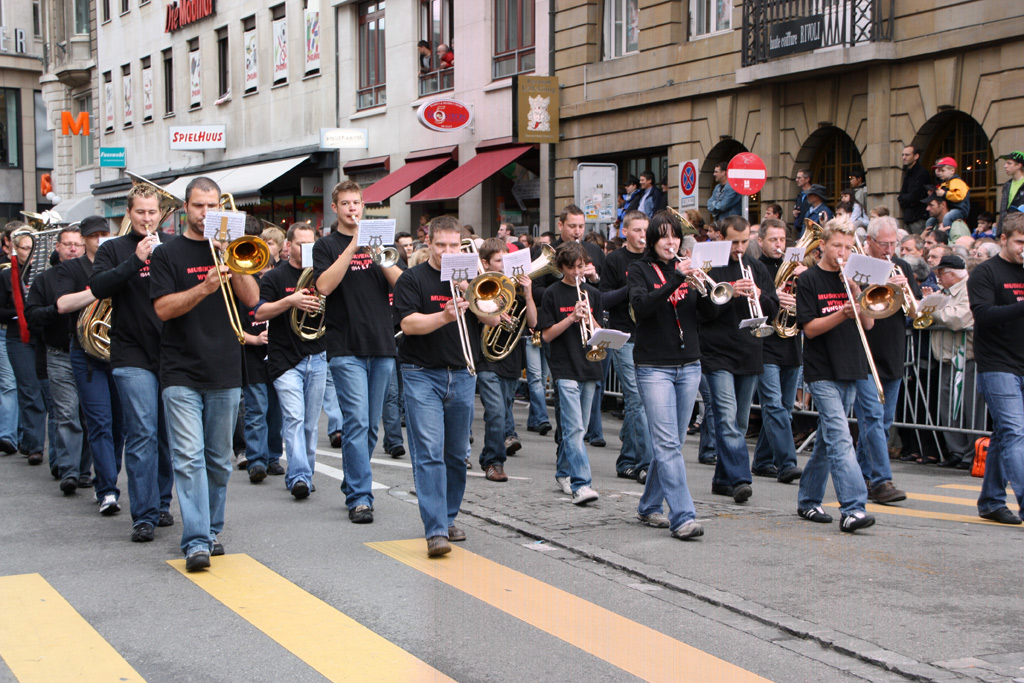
point(873, 422)
point(595, 430)
point(438, 413)
point(331, 406)
point(200, 423)
point(392, 421)
point(636, 451)
point(536, 376)
point(300, 391)
point(777, 388)
point(496, 394)
point(668, 395)
point(147, 453)
point(833, 451)
point(362, 383)
point(1004, 395)
point(102, 407)
point(575, 400)
point(70, 446)
point(8, 393)
point(31, 404)
point(731, 396)
point(706, 445)
point(262, 425)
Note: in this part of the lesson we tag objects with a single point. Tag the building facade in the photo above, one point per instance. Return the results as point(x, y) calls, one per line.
point(827, 85)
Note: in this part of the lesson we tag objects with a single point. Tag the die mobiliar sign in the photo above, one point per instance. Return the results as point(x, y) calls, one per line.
point(198, 137)
point(181, 13)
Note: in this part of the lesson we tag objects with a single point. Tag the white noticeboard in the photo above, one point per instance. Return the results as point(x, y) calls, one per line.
point(596, 190)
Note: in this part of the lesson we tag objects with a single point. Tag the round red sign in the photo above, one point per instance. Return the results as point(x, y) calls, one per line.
point(747, 173)
point(444, 115)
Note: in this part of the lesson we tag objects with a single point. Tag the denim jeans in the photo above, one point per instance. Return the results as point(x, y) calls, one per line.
point(51, 427)
point(873, 423)
point(262, 425)
point(833, 451)
point(496, 395)
point(147, 453)
point(1004, 394)
point(776, 387)
point(595, 430)
point(199, 427)
point(102, 407)
point(331, 406)
point(706, 450)
point(362, 383)
point(731, 396)
point(575, 400)
point(300, 391)
point(392, 416)
point(636, 451)
point(8, 394)
point(438, 413)
point(668, 395)
point(70, 438)
point(536, 376)
point(31, 404)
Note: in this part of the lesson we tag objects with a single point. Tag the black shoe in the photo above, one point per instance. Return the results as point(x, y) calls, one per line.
point(7, 448)
point(166, 519)
point(196, 560)
point(84, 481)
point(35, 459)
point(143, 533)
point(1002, 515)
point(336, 439)
point(708, 461)
point(950, 462)
point(790, 474)
point(858, 520)
point(770, 471)
point(721, 489)
point(641, 476)
point(300, 490)
point(257, 473)
point(628, 473)
point(693, 428)
point(275, 469)
point(361, 514)
point(216, 548)
point(742, 493)
point(815, 514)
point(966, 463)
point(544, 428)
point(396, 451)
point(68, 485)
point(598, 443)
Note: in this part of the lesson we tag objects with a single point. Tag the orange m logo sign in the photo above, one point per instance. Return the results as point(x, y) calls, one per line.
point(74, 126)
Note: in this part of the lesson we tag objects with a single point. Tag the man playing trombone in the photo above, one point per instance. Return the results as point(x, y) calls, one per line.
point(200, 369)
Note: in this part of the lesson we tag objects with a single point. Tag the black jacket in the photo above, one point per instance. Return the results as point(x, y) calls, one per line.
point(913, 192)
point(1006, 202)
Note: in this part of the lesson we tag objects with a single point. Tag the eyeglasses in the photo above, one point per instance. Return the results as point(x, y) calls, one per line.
point(884, 245)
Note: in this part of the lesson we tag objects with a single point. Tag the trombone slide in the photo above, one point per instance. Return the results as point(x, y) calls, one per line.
point(863, 336)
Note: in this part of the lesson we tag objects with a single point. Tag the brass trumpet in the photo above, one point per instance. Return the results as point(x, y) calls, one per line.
point(594, 354)
point(754, 305)
point(720, 292)
point(308, 326)
point(385, 257)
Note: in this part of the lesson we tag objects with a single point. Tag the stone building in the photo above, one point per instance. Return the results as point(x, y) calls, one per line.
point(822, 84)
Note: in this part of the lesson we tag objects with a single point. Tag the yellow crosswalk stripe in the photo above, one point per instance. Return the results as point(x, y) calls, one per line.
point(630, 646)
point(337, 646)
point(44, 639)
point(968, 487)
point(951, 500)
point(922, 514)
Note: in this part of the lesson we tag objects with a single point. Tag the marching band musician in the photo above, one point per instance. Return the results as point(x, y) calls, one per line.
point(120, 272)
point(360, 341)
point(833, 363)
point(297, 366)
point(668, 372)
point(96, 389)
point(200, 370)
point(733, 358)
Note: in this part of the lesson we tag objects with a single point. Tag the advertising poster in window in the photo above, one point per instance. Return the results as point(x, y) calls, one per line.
point(251, 71)
point(108, 104)
point(147, 94)
point(195, 78)
point(312, 40)
point(280, 31)
point(126, 89)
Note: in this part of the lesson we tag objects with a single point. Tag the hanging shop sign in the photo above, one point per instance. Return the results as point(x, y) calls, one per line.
point(444, 115)
point(198, 137)
point(181, 13)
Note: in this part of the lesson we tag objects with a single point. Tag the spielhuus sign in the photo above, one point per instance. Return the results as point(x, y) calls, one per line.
point(181, 13)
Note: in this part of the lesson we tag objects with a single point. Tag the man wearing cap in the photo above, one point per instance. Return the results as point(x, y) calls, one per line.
point(633, 195)
point(953, 189)
point(817, 211)
point(913, 190)
point(1013, 189)
point(860, 190)
point(724, 200)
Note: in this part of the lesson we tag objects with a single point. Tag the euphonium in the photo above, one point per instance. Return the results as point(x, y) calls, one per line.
point(489, 294)
point(309, 326)
point(878, 301)
point(500, 340)
point(786, 278)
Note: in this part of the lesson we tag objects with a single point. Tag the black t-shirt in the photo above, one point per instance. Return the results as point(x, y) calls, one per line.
point(613, 288)
point(723, 345)
point(995, 289)
point(662, 311)
point(837, 354)
point(254, 367)
point(420, 290)
point(41, 312)
point(595, 253)
point(8, 314)
point(511, 366)
point(567, 358)
point(72, 277)
point(286, 349)
point(777, 350)
point(887, 339)
point(198, 349)
point(358, 320)
point(118, 274)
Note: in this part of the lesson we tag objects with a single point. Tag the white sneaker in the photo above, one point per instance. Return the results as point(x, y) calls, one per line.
point(564, 483)
point(109, 506)
point(584, 495)
point(690, 529)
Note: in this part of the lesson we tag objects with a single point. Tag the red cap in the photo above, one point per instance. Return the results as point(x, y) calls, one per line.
point(945, 161)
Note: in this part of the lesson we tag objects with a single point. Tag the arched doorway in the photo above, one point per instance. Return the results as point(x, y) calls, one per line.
point(833, 155)
point(956, 134)
point(722, 153)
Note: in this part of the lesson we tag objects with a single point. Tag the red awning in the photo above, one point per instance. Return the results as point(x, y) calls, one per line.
point(467, 176)
point(394, 183)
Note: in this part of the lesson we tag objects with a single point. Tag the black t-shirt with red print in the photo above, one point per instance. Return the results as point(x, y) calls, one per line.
point(838, 354)
point(995, 289)
point(286, 349)
point(567, 356)
point(420, 290)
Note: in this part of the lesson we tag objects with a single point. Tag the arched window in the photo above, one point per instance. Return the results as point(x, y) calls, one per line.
point(836, 157)
point(961, 137)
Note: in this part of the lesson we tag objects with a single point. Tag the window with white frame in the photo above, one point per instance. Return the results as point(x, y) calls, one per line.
point(621, 27)
point(710, 16)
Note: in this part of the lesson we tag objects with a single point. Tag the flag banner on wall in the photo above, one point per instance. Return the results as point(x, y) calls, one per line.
point(195, 77)
point(312, 40)
point(147, 94)
point(280, 31)
point(126, 89)
point(108, 96)
point(251, 69)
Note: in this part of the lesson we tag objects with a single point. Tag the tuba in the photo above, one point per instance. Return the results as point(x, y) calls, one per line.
point(500, 340)
point(785, 279)
point(308, 326)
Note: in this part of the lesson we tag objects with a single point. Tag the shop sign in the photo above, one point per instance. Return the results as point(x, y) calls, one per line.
point(113, 157)
point(798, 35)
point(311, 187)
point(344, 138)
point(19, 40)
point(72, 125)
point(198, 137)
point(444, 115)
point(181, 13)
point(535, 109)
point(147, 94)
point(126, 90)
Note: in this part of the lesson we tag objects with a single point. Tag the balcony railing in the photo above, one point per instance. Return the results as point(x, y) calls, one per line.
point(775, 28)
point(437, 81)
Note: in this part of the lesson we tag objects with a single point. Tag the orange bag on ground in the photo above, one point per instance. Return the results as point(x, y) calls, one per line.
point(980, 452)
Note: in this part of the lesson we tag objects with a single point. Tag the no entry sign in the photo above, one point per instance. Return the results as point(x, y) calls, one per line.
point(747, 173)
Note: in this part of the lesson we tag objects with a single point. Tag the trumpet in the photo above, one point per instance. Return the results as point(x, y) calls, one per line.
point(858, 308)
point(754, 305)
point(720, 292)
point(246, 255)
point(923, 321)
point(594, 353)
point(385, 257)
point(309, 326)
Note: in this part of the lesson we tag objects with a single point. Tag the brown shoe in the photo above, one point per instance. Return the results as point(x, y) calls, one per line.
point(438, 545)
point(496, 472)
point(455, 534)
point(886, 493)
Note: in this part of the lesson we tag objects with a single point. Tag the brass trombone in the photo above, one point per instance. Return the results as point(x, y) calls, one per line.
point(594, 353)
point(720, 292)
point(309, 326)
point(460, 321)
point(878, 301)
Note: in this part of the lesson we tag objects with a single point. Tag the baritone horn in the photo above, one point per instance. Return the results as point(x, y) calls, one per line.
point(309, 326)
point(500, 340)
point(786, 279)
point(489, 294)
